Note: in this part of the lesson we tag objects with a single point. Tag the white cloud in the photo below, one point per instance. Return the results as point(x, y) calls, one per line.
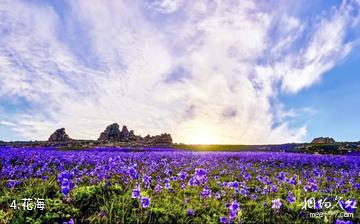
point(232, 60)
point(165, 6)
point(326, 47)
point(7, 123)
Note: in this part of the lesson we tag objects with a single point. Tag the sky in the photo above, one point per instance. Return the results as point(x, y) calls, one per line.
point(228, 72)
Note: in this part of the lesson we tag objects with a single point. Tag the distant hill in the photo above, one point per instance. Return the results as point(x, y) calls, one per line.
point(323, 140)
point(111, 136)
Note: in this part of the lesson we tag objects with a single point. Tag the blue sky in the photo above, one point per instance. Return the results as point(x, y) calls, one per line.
point(335, 101)
point(206, 72)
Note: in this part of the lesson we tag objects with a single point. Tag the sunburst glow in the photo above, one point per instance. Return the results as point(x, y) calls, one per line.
point(203, 136)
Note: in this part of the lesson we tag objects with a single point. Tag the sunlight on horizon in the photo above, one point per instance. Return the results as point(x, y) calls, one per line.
point(203, 136)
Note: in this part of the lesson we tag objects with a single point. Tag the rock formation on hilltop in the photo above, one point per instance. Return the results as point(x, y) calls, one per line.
point(59, 136)
point(158, 139)
point(114, 136)
point(111, 133)
point(132, 136)
point(124, 134)
point(323, 140)
point(163, 139)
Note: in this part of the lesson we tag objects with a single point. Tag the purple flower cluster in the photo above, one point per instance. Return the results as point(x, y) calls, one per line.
point(233, 208)
point(136, 193)
point(133, 172)
point(211, 178)
point(146, 181)
point(201, 175)
point(338, 221)
point(64, 180)
point(205, 193)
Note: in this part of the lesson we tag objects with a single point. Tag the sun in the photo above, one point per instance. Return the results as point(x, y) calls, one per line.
point(203, 137)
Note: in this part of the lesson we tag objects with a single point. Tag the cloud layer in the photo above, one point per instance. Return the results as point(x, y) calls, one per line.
point(214, 67)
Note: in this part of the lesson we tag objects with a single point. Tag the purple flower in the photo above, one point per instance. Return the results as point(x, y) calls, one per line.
point(338, 221)
point(234, 184)
point(168, 172)
point(291, 197)
point(145, 202)
point(158, 188)
point(193, 182)
point(217, 195)
point(227, 205)
point(206, 193)
point(234, 207)
point(65, 183)
point(146, 181)
point(190, 212)
point(71, 221)
point(182, 175)
point(274, 188)
point(133, 173)
point(65, 190)
point(307, 188)
point(265, 191)
point(135, 193)
point(276, 204)
point(167, 185)
point(244, 192)
point(281, 175)
point(223, 220)
point(253, 197)
point(293, 180)
point(314, 187)
point(349, 205)
point(14, 183)
point(232, 214)
point(186, 200)
point(200, 173)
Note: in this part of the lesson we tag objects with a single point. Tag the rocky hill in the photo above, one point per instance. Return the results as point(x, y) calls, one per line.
point(112, 133)
point(111, 136)
point(59, 136)
point(323, 140)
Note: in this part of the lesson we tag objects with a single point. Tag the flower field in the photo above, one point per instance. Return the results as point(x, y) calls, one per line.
point(44, 185)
